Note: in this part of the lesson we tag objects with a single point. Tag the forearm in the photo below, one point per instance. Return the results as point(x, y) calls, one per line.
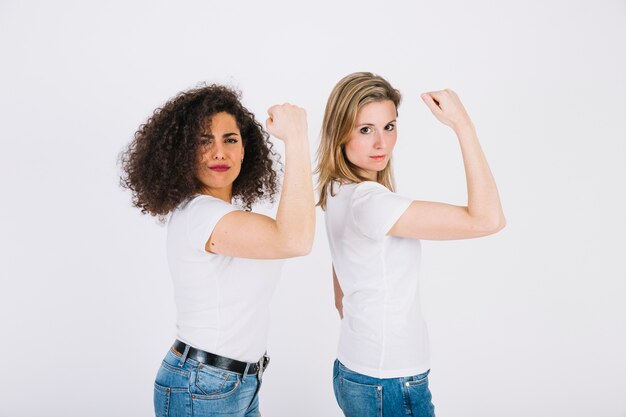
point(482, 193)
point(295, 218)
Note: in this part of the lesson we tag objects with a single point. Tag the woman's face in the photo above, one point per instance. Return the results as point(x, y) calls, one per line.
point(220, 155)
point(373, 137)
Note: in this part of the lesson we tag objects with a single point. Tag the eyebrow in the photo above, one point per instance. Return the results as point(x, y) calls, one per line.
point(225, 135)
point(372, 124)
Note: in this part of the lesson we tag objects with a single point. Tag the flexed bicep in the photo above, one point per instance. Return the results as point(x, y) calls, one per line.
point(440, 221)
point(250, 235)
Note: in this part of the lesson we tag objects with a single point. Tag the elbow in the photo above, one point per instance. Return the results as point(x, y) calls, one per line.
point(300, 247)
point(304, 243)
point(298, 243)
point(502, 223)
point(304, 249)
point(492, 225)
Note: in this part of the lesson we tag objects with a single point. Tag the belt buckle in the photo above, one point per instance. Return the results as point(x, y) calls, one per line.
point(263, 362)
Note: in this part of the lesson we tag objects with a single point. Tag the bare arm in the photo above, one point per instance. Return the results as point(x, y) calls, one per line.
point(483, 214)
point(250, 235)
point(338, 294)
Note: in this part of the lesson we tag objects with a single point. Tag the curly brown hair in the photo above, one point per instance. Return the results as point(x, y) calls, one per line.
point(159, 165)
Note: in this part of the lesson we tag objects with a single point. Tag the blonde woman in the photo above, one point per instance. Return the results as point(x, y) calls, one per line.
point(374, 234)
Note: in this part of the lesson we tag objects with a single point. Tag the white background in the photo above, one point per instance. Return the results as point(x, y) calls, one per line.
point(529, 322)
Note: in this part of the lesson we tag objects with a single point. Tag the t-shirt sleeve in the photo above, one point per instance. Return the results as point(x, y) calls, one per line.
point(203, 214)
point(376, 209)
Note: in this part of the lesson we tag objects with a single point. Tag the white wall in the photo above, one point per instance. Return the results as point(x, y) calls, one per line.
point(529, 322)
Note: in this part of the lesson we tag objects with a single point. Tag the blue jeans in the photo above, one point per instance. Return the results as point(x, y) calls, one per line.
point(359, 395)
point(193, 389)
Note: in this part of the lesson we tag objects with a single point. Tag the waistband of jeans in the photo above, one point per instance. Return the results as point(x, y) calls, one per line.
point(186, 351)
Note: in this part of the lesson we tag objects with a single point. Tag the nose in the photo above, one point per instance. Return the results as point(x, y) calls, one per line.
point(218, 151)
point(379, 140)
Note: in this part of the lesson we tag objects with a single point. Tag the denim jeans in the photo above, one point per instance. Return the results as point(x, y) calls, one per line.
point(359, 395)
point(193, 389)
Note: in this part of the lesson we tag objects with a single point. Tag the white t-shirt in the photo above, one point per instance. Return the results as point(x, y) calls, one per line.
point(222, 302)
point(383, 334)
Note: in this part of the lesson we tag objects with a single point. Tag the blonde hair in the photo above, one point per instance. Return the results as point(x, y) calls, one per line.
point(349, 95)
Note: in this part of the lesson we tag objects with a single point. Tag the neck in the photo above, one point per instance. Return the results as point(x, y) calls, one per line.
point(225, 194)
point(372, 176)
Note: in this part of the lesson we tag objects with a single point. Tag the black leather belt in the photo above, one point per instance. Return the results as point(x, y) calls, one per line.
point(221, 362)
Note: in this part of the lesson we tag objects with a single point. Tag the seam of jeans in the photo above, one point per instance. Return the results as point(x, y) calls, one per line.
point(166, 392)
point(375, 386)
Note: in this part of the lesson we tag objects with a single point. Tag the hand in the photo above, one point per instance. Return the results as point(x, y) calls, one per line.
point(286, 122)
point(447, 108)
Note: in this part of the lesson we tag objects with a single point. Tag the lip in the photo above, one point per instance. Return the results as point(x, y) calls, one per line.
point(378, 157)
point(219, 168)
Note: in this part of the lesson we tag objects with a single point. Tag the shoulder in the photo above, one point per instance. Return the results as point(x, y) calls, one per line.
point(197, 217)
point(203, 208)
point(375, 208)
point(373, 199)
point(367, 190)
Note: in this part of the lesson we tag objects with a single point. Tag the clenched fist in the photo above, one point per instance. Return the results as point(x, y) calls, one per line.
point(447, 108)
point(286, 122)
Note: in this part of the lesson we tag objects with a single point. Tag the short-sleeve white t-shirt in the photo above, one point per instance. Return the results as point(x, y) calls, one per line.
point(383, 333)
point(222, 302)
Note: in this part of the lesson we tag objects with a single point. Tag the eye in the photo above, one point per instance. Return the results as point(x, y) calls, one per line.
point(231, 140)
point(390, 127)
point(365, 130)
point(205, 141)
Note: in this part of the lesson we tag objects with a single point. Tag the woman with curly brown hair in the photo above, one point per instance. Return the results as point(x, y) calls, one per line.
point(194, 160)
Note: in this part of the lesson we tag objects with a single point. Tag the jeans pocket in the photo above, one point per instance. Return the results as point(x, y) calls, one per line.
point(359, 400)
point(215, 383)
point(161, 400)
